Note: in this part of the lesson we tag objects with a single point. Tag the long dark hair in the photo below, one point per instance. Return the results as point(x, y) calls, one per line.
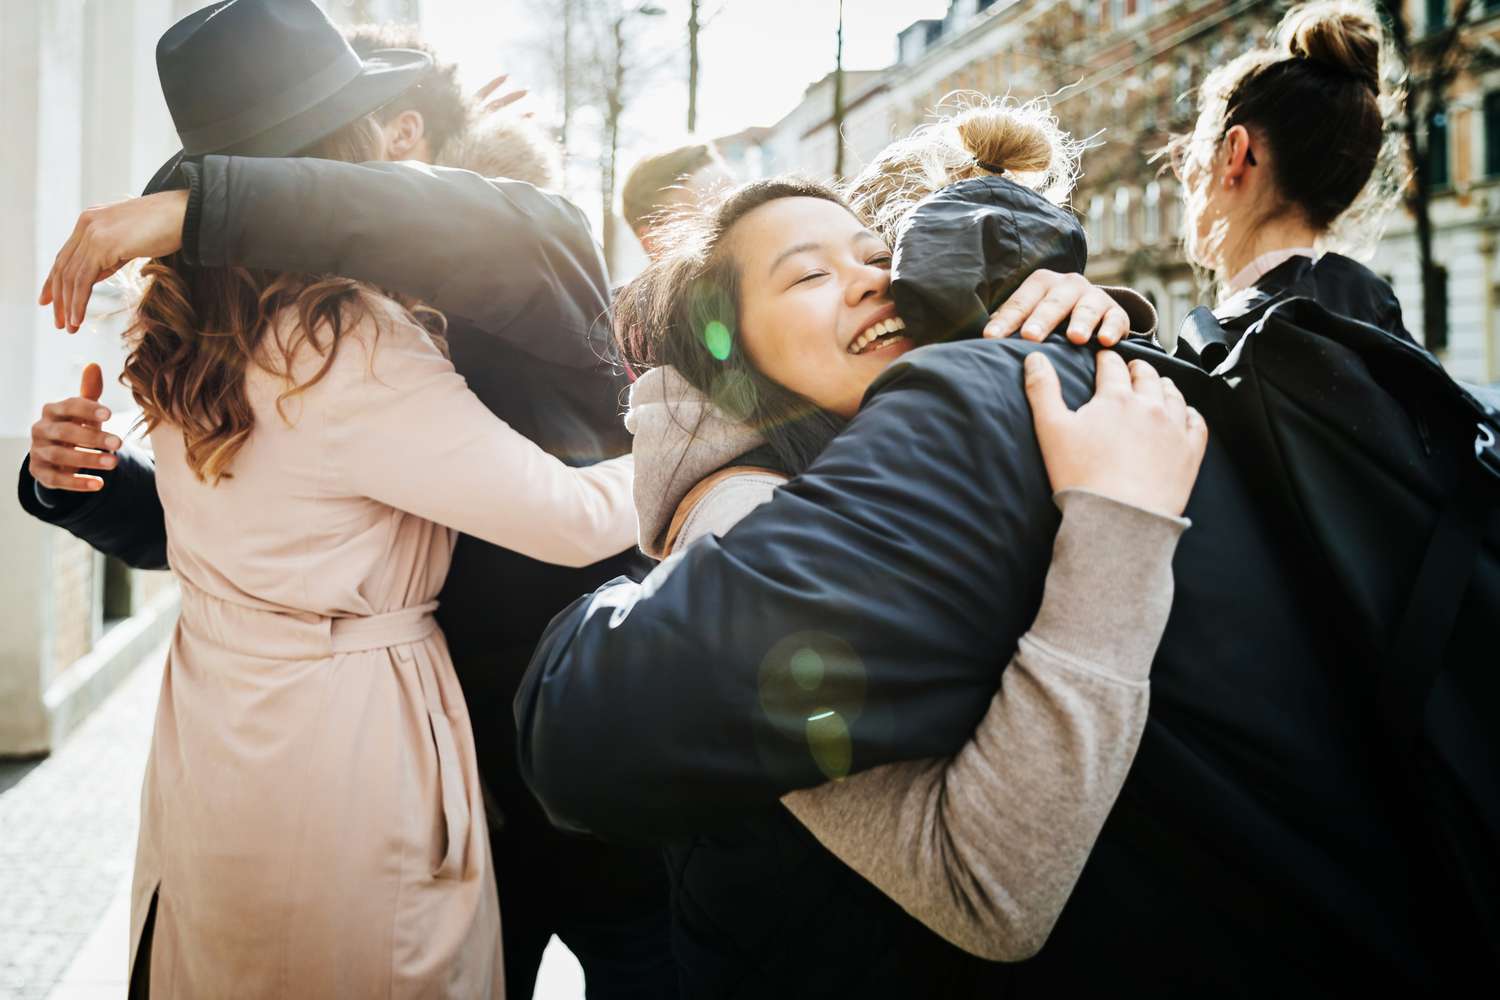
point(683, 310)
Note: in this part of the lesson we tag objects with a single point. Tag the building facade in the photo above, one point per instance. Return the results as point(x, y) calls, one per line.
point(1125, 73)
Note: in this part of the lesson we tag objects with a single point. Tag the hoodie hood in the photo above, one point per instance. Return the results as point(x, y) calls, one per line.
point(680, 437)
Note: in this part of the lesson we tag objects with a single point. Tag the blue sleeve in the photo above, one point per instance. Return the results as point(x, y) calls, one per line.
point(124, 519)
point(860, 617)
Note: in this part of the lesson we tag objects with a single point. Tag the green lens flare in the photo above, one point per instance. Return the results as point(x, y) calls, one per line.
point(716, 336)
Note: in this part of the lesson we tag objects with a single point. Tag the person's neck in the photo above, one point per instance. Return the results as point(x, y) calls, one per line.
point(1274, 234)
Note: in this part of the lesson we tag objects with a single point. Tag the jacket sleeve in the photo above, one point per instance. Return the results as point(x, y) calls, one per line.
point(496, 252)
point(860, 617)
point(985, 847)
point(405, 430)
point(124, 519)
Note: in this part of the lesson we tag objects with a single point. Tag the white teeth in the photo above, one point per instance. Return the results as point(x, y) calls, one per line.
point(884, 327)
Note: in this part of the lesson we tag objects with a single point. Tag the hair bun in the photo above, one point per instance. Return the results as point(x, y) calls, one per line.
point(1340, 35)
point(1005, 137)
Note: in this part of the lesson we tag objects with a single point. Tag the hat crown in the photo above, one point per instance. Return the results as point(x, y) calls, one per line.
point(218, 61)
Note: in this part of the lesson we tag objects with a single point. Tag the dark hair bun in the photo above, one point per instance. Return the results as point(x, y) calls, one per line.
point(1341, 36)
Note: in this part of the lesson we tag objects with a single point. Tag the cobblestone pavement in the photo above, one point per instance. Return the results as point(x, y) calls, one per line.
point(67, 837)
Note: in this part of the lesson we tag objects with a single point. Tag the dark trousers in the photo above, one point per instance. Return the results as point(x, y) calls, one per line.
point(609, 905)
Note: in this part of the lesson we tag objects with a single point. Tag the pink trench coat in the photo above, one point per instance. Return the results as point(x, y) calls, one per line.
point(311, 821)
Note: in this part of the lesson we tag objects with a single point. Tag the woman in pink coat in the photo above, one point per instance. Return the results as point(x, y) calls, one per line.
point(312, 822)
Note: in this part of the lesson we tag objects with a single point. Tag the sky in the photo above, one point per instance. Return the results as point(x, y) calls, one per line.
point(758, 56)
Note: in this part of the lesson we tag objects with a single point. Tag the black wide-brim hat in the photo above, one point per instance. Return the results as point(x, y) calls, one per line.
point(268, 78)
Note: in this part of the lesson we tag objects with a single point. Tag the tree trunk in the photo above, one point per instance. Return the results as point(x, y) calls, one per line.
point(838, 99)
point(567, 72)
point(692, 117)
point(615, 106)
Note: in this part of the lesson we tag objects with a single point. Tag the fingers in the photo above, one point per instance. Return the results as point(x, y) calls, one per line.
point(505, 100)
point(1115, 328)
point(1176, 405)
point(91, 386)
point(1013, 311)
point(63, 478)
point(1050, 312)
point(1043, 391)
point(69, 458)
point(1110, 374)
point(1085, 319)
point(1146, 382)
point(1197, 433)
point(490, 87)
point(62, 434)
point(78, 408)
point(66, 257)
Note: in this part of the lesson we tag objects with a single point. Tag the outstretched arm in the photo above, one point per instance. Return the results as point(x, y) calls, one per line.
point(492, 251)
point(405, 430)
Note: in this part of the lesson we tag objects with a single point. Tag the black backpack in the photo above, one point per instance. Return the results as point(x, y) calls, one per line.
point(1387, 473)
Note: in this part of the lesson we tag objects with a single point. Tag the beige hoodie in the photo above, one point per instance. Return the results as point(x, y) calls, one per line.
point(983, 847)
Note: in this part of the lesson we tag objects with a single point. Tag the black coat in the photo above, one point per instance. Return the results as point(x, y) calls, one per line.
point(1253, 848)
point(517, 273)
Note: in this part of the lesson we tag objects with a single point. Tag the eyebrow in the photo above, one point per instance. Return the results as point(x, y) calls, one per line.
point(863, 234)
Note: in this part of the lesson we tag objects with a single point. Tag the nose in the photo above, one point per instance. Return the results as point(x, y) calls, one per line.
point(868, 281)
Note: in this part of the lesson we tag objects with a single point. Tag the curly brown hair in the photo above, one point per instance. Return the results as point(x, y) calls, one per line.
point(196, 331)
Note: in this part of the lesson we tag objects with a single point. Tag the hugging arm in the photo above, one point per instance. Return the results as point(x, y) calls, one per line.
point(492, 251)
point(985, 846)
point(123, 519)
point(859, 618)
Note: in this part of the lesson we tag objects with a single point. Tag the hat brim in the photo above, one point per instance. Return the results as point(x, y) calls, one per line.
point(387, 75)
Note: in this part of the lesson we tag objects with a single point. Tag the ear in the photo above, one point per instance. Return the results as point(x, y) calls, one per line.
point(1238, 158)
point(404, 133)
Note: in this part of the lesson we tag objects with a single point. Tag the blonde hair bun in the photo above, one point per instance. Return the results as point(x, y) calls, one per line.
point(1340, 35)
point(1004, 137)
point(973, 136)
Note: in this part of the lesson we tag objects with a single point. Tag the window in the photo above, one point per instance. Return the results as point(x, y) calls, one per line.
point(1096, 221)
point(1435, 310)
point(1122, 218)
point(1437, 14)
point(1151, 214)
point(1437, 151)
point(1116, 13)
point(1492, 133)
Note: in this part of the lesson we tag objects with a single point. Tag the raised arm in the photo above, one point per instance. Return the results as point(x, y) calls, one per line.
point(491, 251)
point(404, 429)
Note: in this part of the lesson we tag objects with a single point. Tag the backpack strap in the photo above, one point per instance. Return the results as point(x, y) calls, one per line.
point(1421, 638)
point(696, 495)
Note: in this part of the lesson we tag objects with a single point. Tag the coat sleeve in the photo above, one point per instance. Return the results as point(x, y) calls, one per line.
point(517, 261)
point(860, 617)
point(985, 847)
point(405, 430)
point(124, 519)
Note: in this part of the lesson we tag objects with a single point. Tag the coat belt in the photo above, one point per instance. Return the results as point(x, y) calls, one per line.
point(297, 635)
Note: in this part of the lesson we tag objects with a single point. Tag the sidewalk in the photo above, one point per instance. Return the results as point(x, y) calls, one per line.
point(67, 844)
point(67, 838)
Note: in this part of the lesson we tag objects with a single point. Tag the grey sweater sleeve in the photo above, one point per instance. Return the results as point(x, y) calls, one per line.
point(985, 847)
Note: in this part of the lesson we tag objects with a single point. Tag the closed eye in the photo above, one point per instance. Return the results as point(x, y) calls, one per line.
point(880, 260)
point(808, 277)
